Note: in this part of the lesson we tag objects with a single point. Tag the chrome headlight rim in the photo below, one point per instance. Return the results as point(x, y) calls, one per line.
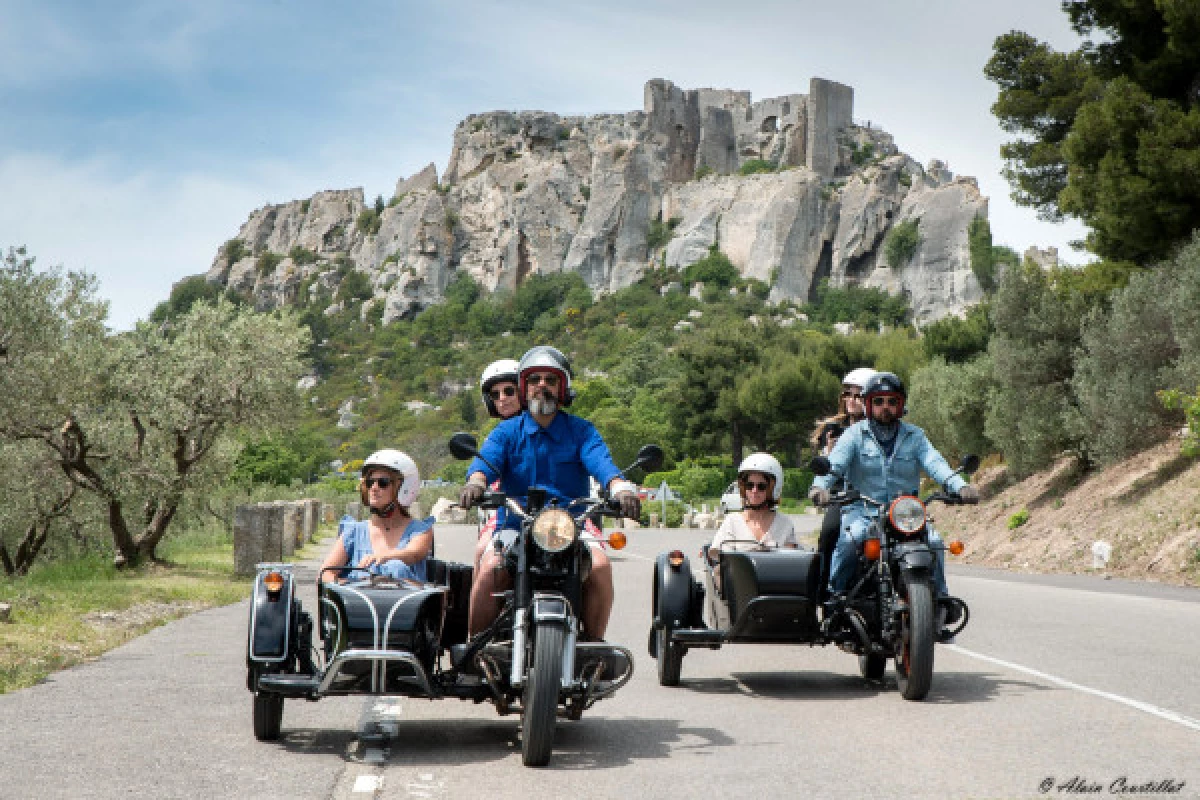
point(554, 530)
point(907, 515)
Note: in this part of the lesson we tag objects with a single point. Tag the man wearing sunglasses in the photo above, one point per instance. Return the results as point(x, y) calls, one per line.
point(883, 457)
point(547, 448)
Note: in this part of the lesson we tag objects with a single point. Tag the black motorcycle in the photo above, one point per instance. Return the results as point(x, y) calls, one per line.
point(778, 597)
point(387, 637)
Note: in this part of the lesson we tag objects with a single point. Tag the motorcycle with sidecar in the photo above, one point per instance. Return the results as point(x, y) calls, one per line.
point(779, 596)
point(380, 636)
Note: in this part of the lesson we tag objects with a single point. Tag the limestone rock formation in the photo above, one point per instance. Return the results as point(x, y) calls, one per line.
point(532, 192)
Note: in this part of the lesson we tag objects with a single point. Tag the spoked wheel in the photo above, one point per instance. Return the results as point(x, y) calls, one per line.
point(541, 696)
point(914, 653)
point(670, 659)
point(268, 716)
point(872, 666)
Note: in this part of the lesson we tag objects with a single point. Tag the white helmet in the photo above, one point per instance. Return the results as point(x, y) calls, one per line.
point(505, 369)
point(858, 377)
point(768, 465)
point(402, 465)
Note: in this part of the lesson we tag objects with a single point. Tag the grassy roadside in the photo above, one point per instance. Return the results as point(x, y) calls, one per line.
point(70, 612)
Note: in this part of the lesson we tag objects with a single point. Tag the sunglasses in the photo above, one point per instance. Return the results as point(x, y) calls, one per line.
point(539, 378)
point(756, 486)
point(507, 391)
point(850, 393)
point(382, 482)
point(880, 402)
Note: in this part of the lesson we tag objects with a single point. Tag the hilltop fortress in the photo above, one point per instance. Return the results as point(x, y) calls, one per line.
point(534, 193)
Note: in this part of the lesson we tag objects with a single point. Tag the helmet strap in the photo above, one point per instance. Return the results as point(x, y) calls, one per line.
point(386, 511)
point(758, 506)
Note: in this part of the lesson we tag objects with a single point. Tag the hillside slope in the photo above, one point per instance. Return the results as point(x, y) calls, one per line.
point(1147, 508)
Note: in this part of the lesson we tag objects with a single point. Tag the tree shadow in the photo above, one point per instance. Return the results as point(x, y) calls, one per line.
point(1171, 468)
point(1068, 477)
point(961, 688)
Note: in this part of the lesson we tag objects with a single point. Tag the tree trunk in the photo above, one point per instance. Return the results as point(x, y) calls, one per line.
point(147, 543)
point(735, 435)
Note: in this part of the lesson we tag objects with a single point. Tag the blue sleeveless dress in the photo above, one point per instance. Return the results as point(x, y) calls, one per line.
point(356, 538)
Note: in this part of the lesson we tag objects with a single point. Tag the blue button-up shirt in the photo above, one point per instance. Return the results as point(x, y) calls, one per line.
point(557, 458)
point(861, 460)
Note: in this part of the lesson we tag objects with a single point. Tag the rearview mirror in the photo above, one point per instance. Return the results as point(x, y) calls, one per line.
point(649, 458)
point(463, 446)
point(820, 466)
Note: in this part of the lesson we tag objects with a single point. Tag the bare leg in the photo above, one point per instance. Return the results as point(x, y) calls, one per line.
point(598, 595)
point(489, 577)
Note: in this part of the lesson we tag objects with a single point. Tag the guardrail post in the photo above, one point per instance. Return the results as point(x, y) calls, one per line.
point(249, 535)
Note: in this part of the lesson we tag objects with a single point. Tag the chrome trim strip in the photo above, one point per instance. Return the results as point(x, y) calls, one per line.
point(379, 659)
point(375, 636)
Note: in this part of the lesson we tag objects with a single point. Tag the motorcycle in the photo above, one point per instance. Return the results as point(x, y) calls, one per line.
point(775, 596)
point(387, 637)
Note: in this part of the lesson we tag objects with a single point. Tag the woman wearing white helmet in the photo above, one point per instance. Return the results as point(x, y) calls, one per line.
point(499, 387)
point(390, 541)
point(760, 483)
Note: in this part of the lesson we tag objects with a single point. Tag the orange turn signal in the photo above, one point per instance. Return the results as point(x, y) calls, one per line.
point(871, 549)
point(675, 558)
point(616, 540)
point(955, 547)
point(273, 582)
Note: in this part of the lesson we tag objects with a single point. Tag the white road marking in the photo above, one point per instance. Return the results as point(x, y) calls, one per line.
point(368, 783)
point(1162, 713)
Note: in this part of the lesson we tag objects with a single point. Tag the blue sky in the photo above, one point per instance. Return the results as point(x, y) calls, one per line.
point(136, 136)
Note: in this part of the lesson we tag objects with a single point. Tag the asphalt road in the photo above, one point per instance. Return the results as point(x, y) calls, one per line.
point(1057, 687)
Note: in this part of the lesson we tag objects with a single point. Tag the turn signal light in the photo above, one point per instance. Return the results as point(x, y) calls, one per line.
point(955, 547)
point(273, 582)
point(675, 558)
point(871, 549)
point(616, 540)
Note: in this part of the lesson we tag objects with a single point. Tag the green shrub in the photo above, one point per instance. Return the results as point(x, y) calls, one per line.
point(267, 263)
point(714, 270)
point(305, 206)
point(395, 201)
point(949, 402)
point(368, 222)
point(661, 232)
point(861, 155)
point(234, 250)
point(1018, 519)
point(675, 512)
point(302, 255)
point(866, 307)
point(702, 171)
point(355, 285)
point(958, 339)
point(586, 191)
point(450, 220)
point(756, 165)
point(901, 243)
point(796, 483)
point(904, 179)
point(519, 187)
point(619, 152)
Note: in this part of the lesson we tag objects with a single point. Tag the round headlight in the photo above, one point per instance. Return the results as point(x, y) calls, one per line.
point(907, 515)
point(554, 530)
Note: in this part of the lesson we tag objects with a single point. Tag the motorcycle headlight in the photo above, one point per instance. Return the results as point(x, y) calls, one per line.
point(554, 530)
point(907, 515)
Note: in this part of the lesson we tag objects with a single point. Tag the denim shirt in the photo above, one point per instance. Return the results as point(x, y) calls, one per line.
point(860, 459)
point(356, 539)
point(557, 458)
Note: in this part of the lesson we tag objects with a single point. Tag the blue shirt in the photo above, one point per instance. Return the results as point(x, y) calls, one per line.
point(557, 458)
point(356, 539)
point(862, 461)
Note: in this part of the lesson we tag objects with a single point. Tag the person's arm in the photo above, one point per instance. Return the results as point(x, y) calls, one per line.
point(412, 552)
point(337, 557)
point(936, 465)
point(839, 460)
point(494, 449)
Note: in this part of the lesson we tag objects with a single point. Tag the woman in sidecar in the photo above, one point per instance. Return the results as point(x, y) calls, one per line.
point(390, 542)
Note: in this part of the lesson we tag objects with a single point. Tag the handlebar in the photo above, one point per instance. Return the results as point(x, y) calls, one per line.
point(853, 496)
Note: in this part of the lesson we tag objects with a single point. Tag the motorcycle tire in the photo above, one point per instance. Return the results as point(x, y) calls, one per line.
point(670, 659)
point(914, 655)
point(268, 716)
point(540, 703)
point(872, 667)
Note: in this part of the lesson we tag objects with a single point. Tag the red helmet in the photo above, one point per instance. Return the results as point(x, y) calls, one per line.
point(544, 358)
point(885, 383)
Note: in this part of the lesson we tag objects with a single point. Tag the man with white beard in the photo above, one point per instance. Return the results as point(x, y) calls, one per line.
point(545, 448)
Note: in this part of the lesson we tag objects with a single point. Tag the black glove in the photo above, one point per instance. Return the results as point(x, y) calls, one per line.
point(630, 505)
point(969, 494)
point(470, 495)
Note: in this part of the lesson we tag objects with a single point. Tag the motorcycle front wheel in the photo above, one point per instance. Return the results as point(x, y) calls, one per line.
point(914, 655)
point(540, 703)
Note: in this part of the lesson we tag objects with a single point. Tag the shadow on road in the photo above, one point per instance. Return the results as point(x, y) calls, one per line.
point(584, 745)
point(956, 688)
point(785, 685)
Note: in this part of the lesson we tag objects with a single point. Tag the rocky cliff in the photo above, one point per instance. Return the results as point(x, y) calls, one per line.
point(532, 192)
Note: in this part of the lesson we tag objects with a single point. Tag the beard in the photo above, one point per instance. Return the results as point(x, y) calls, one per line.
point(543, 404)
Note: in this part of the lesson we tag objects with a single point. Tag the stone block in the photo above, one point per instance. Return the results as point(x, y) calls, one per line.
point(249, 536)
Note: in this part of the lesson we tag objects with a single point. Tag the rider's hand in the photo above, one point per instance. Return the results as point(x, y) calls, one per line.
point(470, 495)
point(819, 496)
point(969, 494)
point(629, 503)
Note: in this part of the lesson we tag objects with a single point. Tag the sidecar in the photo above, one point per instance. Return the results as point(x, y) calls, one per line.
point(377, 636)
point(752, 596)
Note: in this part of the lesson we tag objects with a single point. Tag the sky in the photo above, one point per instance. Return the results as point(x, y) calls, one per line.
point(136, 136)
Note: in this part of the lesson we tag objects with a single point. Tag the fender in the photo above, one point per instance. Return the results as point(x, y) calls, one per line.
point(550, 608)
point(673, 605)
point(914, 557)
point(270, 621)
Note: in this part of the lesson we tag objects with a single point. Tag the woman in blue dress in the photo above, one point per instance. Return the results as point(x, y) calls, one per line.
point(389, 542)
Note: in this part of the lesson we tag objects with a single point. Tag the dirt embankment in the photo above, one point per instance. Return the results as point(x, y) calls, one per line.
point(1147, 509)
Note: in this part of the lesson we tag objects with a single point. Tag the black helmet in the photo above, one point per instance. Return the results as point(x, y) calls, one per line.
point(885, 383)
point(544, 358)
